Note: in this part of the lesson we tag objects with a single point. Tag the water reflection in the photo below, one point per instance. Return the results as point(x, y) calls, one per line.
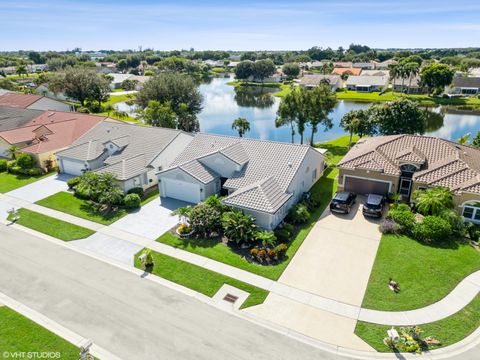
point(433, 119)
point(254, 96)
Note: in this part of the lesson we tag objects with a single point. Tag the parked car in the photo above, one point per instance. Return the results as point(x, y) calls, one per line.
point(342, 202)
point(373, 206)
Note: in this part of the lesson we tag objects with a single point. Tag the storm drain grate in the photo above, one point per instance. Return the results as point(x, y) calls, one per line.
point(230, 298)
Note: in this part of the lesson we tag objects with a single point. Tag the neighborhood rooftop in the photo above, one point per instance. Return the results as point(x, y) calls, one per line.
point(12, 117)
point(18, 100)
point(367, 80)
point(441, 162)
point(313, 80)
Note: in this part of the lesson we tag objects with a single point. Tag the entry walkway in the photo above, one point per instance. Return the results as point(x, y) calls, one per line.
point(463, 294)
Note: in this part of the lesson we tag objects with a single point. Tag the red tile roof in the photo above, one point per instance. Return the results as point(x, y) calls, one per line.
point(18, 100)
point(60, 130)
point(341, 71)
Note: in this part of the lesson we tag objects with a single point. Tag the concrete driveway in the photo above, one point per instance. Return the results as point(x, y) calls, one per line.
point(336, 258)
point(42, 188)
point(152, 220)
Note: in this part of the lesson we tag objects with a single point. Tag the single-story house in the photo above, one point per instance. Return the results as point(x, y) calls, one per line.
point(214, 63)
point(385, 64)
point(261, 178)
point(133, 153)
point(366, 83)
point(409, 85)
point(465, 86)
point(11, 118)
point(346, 71)
point(343, 64)
point(311, 81)
point(47, 133)
point(34, 102)
point(376, 73)
point(118, 79)
point(364, 65)
point(404, 163)
point(44, 90)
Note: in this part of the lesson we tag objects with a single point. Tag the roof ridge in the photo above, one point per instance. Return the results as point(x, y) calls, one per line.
point(251, 139)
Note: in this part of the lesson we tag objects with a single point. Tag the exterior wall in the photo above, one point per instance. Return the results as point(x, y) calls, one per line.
point(41, 158)
point(137, 181)
point(365, 174)
point(4, 149)
point(75, 164)
point(221, 165)
point(166, 157)
point(50, 104)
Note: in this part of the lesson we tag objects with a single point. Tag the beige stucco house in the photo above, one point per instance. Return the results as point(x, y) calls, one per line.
point(404, 163)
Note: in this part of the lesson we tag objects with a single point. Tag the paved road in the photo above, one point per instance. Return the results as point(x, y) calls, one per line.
point(131, 317)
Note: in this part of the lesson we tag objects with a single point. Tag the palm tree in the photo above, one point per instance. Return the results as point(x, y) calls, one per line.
point(109, 108)
point(394, 70)
point(402, 71)
point(413, 70)
point(13, 152)
point(267, 238)
point(464, 139)
point(433, 201)
point(241, 125)
point(183, 213)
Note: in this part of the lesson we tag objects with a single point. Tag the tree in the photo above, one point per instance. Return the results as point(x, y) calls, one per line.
point(205, 220)
point(177, 89)
point(244, 70)
point(437, 76)
point(433, 201)
point(21, 69)
point(241, 125)
point(13, 152)
point(412, 69)
point(357, 122)
point(158, 114)
point(394, 73)
point(291, 70)
point(35, 57)
point(238, 227)
point(464, 139)
point(263, 69)
point(182, 213)
point(292, 112)
point(111, 196)
point(129, 84)
point(399, 117)
point(320, 102)
point(476, 140)
point(187, 121)
point(122, 65)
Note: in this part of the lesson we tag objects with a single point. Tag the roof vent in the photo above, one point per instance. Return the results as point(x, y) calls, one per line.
point(290, 164)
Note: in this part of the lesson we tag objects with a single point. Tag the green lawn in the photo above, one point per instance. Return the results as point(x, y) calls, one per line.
point(152, 195)
point(70, 204)
point(19, 334)
point(425, 273)
point(9, 182)
point(213, 249)
point(50, 226)
point(252, 83)
point(422, 99)
point(200, 279)
point(448, 331)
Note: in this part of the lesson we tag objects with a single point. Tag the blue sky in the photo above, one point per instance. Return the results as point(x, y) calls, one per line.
point(236, 25)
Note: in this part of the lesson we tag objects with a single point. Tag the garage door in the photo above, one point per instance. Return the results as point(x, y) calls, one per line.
point(364, 186)
point(71, 167)
point(182, 190)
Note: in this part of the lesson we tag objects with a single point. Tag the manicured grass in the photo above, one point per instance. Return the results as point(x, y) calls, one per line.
point(422, 99)
point(448, 331)
point(70, 204)
point(50, 226)
point(425, 273)
point(213, 249)
point(200, 279)
point(152, 195)
point(251, 83)
point(9, 182)
point(119, 98)
point(284, 90)
point(19, 334)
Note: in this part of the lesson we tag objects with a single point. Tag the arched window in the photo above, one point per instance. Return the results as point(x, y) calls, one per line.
point(408, 168)
point(471, 211)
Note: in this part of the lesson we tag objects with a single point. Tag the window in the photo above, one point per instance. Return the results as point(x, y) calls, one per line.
point(472, 212)
point(314, 174)
point(160, 168)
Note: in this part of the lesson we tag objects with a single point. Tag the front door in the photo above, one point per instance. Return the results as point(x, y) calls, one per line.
point(405, 187)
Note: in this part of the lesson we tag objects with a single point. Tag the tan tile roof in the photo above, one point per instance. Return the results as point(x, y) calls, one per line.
point(442, 162)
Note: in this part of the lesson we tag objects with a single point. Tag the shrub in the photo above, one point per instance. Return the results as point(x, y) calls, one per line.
point(16, 170)
point(389, 227)
point(281, 249)
point(433, 201)
point(132, 201)
point(11, 164)
point(456, 222)
point(25, 161)
point(35, 172)
point(299, 214)
point(282, 235)
point(267, 238)
point(473, 231)
point(405, 219)
point(402, 207)
point(238, 227)
point(3, 165)
point(289, 228)
point(184, 229)
point(136, 190)
point(313, 201)
point(432, 229)
point(205, 220)
point(83, 110)
point(73, 182)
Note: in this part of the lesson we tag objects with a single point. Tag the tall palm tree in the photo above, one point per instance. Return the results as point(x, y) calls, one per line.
point(393, 74)
point(13, 152)
point(241, 125)
point(414, 70)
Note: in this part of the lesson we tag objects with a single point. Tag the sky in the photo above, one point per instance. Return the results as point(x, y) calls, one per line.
point(237, 25)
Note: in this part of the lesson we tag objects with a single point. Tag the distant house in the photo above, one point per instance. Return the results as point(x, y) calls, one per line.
point(376, 73)
point(261, 178)
point(366, 83)
point(47, 133)
point(33, 102)
point(133, 153)
point(214, 63)
point(385, 64)
point(43, 89)
point(409, 85)
point(346, 71)
point(311, 81)
point(364, 65)
point(106, 67)
point(118, 79)
point(343, 64)
point(465, 86)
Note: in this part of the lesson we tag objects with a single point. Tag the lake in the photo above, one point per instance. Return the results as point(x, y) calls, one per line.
point(223, 103)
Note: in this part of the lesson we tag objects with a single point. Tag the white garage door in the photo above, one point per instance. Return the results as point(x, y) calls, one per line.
point(71, 167)
point(182, 190)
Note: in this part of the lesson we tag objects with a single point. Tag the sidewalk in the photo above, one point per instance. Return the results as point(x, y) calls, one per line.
point(463, 293)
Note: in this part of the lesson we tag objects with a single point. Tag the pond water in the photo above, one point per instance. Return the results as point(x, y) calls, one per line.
point(223, 103)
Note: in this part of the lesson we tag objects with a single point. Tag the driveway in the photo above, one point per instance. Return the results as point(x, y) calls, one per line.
point(336, 258)
point(42, 188)
point(151, 220)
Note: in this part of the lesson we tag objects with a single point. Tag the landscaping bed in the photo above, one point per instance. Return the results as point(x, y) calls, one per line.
point(50, 226)
point(448, 331)
point(198, 278)
point(19, 334)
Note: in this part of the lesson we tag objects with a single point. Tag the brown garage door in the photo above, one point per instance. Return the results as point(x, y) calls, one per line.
point(363, 186)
